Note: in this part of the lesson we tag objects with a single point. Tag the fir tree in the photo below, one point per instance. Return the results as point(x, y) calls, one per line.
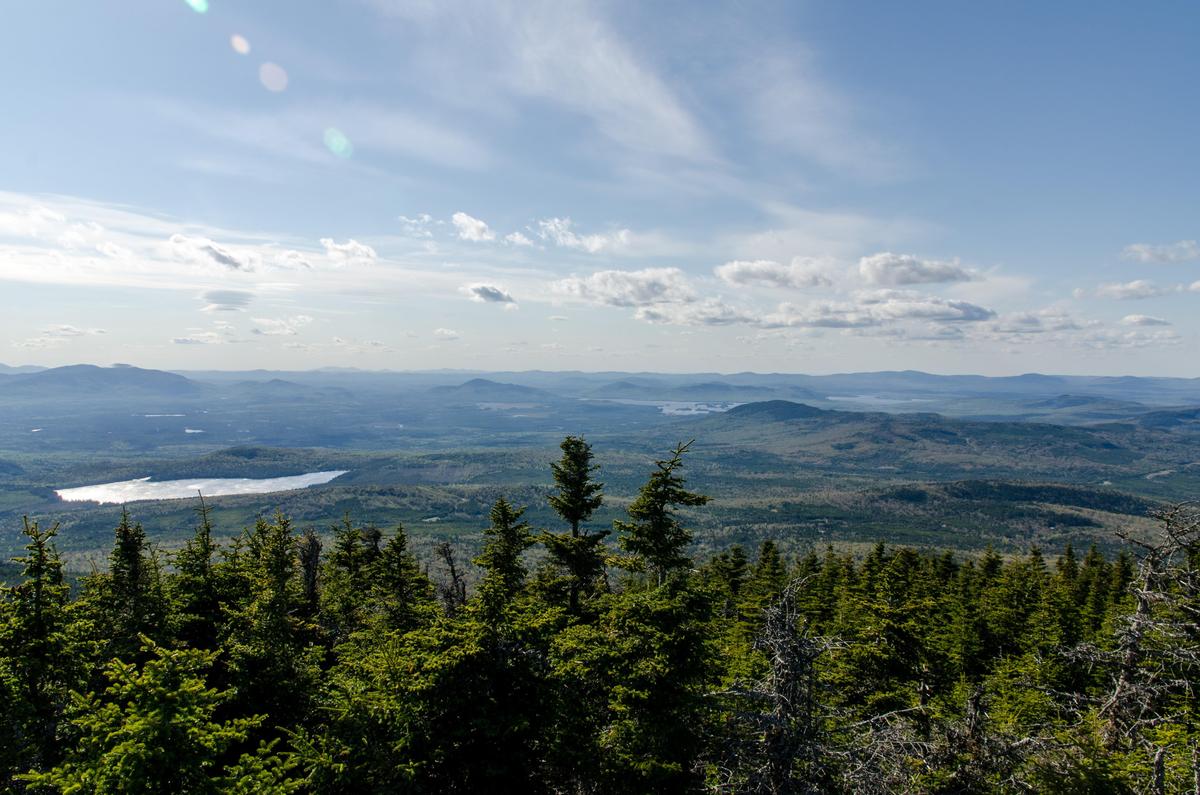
point(578, 553)
point(654, 535)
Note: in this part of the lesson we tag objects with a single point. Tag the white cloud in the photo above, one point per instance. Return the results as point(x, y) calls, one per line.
point(791, 109)
point(1107, 339)
point(349, 253)
point(112, 250)
point(801, 273)
point(417, 226)
point(289, 259)
point(710, 312)
point(1181, 251)
point(820, 314)
point(472, 229)
point(226, 300)
point(280, 327)
point(1132, 291)
point(629, 288)
point(445, 334)
point(907, 305)
point(201, 249)
point(199, 338)
point(560, 232)
point(564, 54)
point(488, 294)
point(517, 239)
point(51, 336)
point(296, 133)
point(1045, 321)
point(1144, 320)
point(893, 270)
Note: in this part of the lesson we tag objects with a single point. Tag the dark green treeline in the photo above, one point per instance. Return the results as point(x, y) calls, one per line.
point(281, 663)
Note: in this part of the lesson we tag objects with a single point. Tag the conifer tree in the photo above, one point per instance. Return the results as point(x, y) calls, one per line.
point(154, 729)
point(579, 553)
point(269, 646)
point(654, 535)
point(402, 594)
point(507, 538)
point(194, 590)
point(127, 601)
point(35, 655)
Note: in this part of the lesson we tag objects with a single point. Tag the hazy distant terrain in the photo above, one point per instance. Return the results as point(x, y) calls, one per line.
point(958, 461)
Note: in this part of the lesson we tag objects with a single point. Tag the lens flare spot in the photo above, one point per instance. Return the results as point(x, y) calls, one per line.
point(199, 6)
point(239, 44)
point(272, 76)
point(337, 142)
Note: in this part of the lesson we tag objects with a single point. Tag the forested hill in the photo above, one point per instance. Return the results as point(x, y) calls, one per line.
point(281, 663)
point(933, 444)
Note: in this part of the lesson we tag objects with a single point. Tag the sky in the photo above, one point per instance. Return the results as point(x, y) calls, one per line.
point(992, 187)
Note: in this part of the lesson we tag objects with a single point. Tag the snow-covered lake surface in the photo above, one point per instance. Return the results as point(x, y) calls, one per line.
point(145, 489)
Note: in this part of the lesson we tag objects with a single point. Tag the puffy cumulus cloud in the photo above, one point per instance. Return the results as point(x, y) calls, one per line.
point(517, 239)
point(349, 253)
point(203, 250)
point(820, 314)
point(628, 288)
point(226, 300)
point(1044, 321)
point(280, 327)
point(801, 273)
point(1181, 251)
point(471, 229)
point(710, 312)
point(445, 334)
point(1135, 290)
point(488, 294)
point(1143, 320)
point(908, 305)
point(892, 270)
point(59, 334)
point(560, 232)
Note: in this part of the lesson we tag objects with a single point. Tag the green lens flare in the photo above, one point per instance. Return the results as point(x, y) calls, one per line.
point(337, 142)
point(199, 6)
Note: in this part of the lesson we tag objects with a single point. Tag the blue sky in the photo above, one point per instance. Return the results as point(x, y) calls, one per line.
point(812, 187)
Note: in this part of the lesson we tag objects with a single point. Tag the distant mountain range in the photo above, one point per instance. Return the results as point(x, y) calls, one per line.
point(89, 380)
point(481, 390)
point(934, 445)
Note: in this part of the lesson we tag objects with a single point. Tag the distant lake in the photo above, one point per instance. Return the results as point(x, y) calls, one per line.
point(675, 408)
point(145, 489)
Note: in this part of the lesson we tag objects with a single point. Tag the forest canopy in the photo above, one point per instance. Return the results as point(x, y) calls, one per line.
point(609, 661)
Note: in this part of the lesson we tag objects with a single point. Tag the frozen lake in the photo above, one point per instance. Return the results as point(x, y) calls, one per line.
point(145, 489)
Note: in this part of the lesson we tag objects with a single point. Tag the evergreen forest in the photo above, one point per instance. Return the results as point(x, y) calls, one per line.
point(579, 658)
